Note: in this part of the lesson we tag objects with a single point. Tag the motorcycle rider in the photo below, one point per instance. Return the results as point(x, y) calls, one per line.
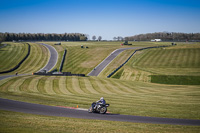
point(100, 102)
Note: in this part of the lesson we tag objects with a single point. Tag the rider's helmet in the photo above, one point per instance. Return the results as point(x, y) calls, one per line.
point(101, 98)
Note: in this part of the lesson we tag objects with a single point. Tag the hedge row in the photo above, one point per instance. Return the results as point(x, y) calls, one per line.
point(176, 79)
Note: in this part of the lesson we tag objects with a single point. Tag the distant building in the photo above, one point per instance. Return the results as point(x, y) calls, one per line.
point(156, 40)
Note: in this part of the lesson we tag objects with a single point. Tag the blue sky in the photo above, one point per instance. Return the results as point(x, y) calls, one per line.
point(106, 18)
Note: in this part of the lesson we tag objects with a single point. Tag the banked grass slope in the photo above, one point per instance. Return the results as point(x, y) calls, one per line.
point(182, 60)
point(15, 52)
point(124, 96)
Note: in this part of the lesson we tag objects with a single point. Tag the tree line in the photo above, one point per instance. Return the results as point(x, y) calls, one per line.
point(41, 36)
point(98, 39)
point(165, 36)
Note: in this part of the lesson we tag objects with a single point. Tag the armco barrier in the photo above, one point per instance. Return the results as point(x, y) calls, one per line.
point(58, 74)
point(62, 62)
point(4, 45)
point(18, 65)
point(130, 58)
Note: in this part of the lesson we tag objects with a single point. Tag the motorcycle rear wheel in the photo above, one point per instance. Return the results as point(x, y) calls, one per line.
point(90, 110)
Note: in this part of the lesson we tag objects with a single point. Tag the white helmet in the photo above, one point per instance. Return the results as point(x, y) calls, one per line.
point(101, 98)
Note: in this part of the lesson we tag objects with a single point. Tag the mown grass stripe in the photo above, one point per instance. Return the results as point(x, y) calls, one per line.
point(83, 86)
point(41, 85)
point(12, 56)
point(196, 58)
point(107, 87)
point(49, 85)
point(145, 56)
point(185, 58)
point(113, 87)
point(7, 56)
point(121, 88)
point(69, 85)
point(193, 59)
point(56, 85)
point(76, 86)
point(33, 84)
point(179, 57)
point(45, 55)
point(34, 62)
point(90, 86)
point(17, 85)
point(162, 57)
point(25, 84)
point(153, 59)
point(62, 85)
point(132, 85)
point(171, 58)
point(101, 86)
point(31, 60)
point(25, 68)
point(5, 86)
point(16, 51)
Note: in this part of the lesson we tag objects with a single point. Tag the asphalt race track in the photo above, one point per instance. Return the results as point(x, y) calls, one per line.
point(8, 76)
point(50, 64)
point(108, 60)
point(38, 109)
point(31, 108)
point(53, 57)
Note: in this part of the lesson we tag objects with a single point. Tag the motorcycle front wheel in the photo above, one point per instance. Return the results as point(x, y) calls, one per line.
point(103, 110)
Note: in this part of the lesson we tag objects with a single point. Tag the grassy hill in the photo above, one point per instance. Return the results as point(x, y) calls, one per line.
point(82, 60)
point(11, 55)
point(15, 52)
point(126, 95)
point(179, 60)
point(133, 98)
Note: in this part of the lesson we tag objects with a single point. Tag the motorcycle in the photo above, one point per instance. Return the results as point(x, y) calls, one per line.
point(101, 108)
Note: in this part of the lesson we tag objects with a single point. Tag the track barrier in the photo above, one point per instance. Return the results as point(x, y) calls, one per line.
point(63, 60)
point(18, 65)
point(58, 74)
point(130, 58)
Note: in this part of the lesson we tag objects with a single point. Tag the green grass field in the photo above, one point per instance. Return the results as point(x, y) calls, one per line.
point(12, 55)
point(131, 93)
point(132, 98)
point(15, 52)
point(179, 60)
point(82, 60)
point(42, 124)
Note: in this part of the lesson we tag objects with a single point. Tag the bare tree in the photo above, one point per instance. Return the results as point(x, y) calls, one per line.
point(94, 38)
point(119, 38)
point(114, 38)
point(99, 38)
